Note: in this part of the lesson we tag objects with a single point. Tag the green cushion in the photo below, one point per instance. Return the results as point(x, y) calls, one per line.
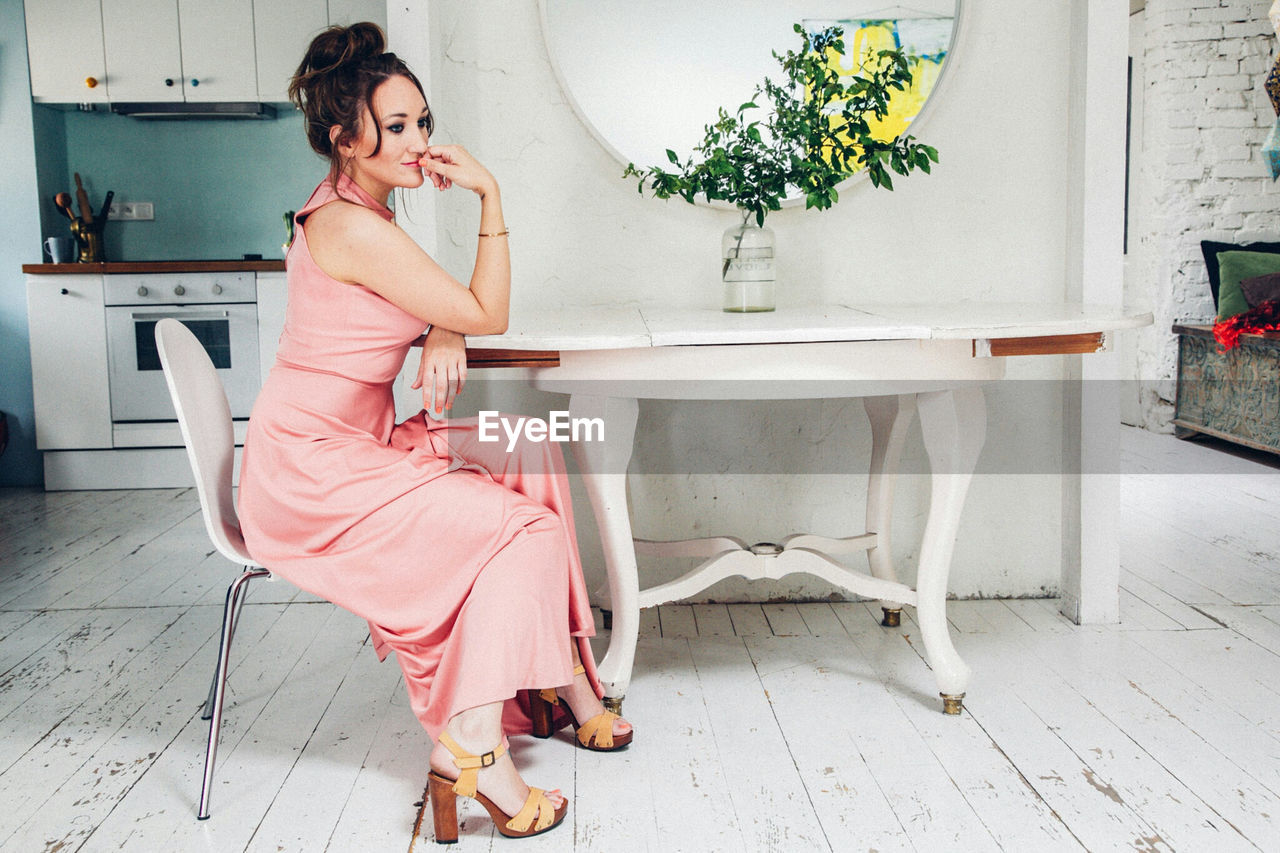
point(1234, 267)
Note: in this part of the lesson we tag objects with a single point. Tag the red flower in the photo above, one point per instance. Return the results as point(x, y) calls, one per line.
point(1260, 318)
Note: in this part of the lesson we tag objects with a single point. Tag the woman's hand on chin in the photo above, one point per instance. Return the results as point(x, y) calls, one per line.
point(447, 165)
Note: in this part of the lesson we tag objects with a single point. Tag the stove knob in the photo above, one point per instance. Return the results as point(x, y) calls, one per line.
point(142, 290)
point(217, 290)
point(179, 290)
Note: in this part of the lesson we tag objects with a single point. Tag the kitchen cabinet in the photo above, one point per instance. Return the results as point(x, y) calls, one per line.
point(179, 50)
point(218, 62)
point(164, 51)
point(282, 29)
point(347, 12)
point(144, 58)
point(64, 47)
point(65, 316)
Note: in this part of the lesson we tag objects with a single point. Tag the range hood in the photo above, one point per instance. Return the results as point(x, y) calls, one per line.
point(184, 110)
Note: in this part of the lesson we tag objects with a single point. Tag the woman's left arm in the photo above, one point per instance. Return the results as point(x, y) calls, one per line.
point(442, 370)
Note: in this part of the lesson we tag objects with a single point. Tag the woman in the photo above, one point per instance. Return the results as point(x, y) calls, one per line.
point(460, 555)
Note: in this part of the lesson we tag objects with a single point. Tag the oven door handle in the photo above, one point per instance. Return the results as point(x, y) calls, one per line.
point(179, 315)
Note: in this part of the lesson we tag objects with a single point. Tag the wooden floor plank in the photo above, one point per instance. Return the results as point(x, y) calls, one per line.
point(1039, 614)
point(1137, 615)
point(771, 805)
point(1223, 665)
point(821, 620)
point(1002, 799)
point(11, 623)
point(1206, 802)
point(861, 760)
point(785, 620)
point(49, 684)
point(90, 760)
point(159, 811)
point(1060, 776)
point(40, 629)
point(965, 619)
point(677, 621)
point(749, 620)
point(713, 620)
point(379, 811)
point(68, 573)
point(1250, 622)
point(265, 757)
point(55, 533)
point(861, 618)
point(1169, 606)
point(683, 800)
point(650, 623)
point(1242, 580)
point(307, 807)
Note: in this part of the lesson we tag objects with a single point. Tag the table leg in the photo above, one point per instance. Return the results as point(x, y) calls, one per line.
point(890, 418)
point(954, 425)
point(604, 474)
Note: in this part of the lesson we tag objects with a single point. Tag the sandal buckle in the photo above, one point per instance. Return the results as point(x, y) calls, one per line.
point(487, 759)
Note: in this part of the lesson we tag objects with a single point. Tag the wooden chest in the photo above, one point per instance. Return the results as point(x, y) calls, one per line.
point(1233, 395)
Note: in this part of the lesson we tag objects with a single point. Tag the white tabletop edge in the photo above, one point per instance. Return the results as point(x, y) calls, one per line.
point(646, 326)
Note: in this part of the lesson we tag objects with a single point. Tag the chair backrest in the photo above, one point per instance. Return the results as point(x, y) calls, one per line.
point(205, 418)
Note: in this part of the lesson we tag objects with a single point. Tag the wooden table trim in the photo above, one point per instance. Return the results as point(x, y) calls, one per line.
point(1084, 342)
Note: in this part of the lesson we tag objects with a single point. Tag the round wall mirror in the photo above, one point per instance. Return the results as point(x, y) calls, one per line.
point(648, 76)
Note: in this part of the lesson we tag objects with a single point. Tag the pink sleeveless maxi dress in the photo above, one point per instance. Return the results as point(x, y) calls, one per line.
point(462, 556)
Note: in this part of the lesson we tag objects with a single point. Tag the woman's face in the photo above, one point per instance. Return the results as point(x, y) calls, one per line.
point(398, 109)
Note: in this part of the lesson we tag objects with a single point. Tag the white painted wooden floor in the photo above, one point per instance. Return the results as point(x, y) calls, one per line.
point(778, 727)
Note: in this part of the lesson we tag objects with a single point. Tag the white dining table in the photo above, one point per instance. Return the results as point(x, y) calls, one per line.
point(904, 361)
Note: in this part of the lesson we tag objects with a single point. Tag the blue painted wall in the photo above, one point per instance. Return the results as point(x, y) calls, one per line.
point(220, 189)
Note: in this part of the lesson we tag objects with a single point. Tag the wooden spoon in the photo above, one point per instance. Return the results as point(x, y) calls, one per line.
point(63, 201)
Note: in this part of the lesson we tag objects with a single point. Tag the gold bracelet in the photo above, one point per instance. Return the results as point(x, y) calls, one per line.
point(504, 232)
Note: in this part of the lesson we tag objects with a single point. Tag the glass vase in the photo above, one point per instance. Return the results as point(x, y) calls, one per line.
point(747, 271)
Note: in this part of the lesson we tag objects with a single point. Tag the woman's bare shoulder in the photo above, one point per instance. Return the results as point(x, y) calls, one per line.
point(343, 236)
point(342, 214)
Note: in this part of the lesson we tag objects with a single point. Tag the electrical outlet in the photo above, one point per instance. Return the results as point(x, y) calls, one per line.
point(132, 210)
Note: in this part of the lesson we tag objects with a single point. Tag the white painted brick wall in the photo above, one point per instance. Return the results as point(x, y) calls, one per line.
point(1197, 170)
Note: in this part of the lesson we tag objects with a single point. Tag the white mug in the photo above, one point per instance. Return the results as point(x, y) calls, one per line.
point(61, 250)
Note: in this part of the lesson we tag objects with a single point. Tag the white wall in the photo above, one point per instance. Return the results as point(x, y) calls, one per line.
point(990, 224)
point(1198, 171)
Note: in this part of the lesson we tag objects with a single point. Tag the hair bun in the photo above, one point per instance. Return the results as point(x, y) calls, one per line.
point(338, 45)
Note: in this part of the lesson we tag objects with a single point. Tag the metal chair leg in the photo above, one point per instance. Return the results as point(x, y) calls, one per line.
point(235, 598)
point(213, 682)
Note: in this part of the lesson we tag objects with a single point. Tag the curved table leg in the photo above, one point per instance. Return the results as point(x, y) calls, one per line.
point(604, 473)
point(954, 424)
point(890, 418)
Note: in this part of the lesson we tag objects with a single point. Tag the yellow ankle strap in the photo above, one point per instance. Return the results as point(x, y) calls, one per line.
point(548, 694)
point(469, 765)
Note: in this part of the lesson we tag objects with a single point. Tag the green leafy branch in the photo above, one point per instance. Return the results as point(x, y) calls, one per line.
point(817, 135)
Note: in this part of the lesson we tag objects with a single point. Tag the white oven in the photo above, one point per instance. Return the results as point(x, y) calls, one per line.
point(220, 308)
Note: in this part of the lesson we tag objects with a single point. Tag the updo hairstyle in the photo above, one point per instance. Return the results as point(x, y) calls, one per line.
point(335, 84)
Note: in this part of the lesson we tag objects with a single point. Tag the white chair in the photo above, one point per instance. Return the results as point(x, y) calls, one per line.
point(205, 418)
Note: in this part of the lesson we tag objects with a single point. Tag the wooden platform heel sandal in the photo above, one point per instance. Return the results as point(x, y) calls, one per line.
point(536, 817)
point(595, 734)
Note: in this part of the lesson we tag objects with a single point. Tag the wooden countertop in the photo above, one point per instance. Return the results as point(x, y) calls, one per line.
point(111, 267)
